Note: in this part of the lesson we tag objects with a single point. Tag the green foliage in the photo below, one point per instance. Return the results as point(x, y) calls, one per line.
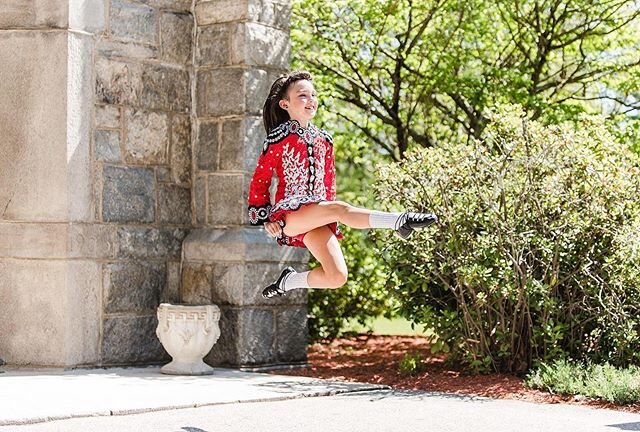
point(606, 382)
point(397, 74)
point(411, 364)
point(417, 73)
point(537, 255)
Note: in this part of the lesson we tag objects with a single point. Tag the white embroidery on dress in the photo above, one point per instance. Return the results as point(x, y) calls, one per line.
point(295, 175)
point(320, 151)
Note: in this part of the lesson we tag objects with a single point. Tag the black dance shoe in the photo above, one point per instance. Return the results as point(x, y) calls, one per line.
point(275, 289)
point(409, 221)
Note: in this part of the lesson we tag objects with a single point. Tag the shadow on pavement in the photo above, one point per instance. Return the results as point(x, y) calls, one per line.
point(627, 426)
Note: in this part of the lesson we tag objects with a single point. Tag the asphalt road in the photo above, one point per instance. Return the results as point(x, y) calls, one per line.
point(382, 410)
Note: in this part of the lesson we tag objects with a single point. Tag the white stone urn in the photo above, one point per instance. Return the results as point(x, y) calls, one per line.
point(188, 333)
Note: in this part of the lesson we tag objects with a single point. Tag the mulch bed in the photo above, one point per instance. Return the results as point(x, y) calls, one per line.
point(376, 359)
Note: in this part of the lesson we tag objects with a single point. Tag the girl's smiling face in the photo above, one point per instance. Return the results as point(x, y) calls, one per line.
point(300, 102)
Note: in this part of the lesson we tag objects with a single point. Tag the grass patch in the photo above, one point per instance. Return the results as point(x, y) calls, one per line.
point(605, 382)
point(387, 327)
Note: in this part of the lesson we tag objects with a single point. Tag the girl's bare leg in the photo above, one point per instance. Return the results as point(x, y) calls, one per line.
point(323, 245)
point(323, 213)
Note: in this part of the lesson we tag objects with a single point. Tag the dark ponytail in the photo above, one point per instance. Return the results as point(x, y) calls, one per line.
point(272, 114)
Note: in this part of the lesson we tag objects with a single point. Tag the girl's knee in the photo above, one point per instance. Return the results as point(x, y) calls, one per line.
point(337, 278)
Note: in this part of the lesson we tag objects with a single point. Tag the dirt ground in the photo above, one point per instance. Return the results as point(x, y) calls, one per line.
point(376, 359)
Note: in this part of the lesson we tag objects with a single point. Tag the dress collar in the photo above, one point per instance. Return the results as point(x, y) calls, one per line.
point(295, 124)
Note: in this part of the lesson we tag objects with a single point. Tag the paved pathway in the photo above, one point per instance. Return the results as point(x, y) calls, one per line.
point(140, 399)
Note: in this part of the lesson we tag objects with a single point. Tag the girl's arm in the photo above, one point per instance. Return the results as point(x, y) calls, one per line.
point(259, 200)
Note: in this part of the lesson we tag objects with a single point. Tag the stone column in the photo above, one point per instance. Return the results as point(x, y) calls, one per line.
point(241, 47)
point(95, 176)
point(50, 294)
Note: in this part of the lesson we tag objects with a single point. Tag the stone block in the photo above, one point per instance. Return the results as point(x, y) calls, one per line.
point(34, 13)
point(45, 120)
point(212, 12)
point(197, 281)
point(25, 240)
point(228, 284)
point(50, 312)
point(172, 292)
point(291, 345)
point(108, 146)
point(256, 44)
point(225, 351)
point(256, 90)
point(91, 241)
point(201, 200)
point(163, 174)
point(132, 21)
point(128, 50)
point(128, 194)
point(256, 337)
point(87, 15)
point(174, 5)
point(222, 92)
point(226, 203)
point(130, 340)
point(241, 144)
point(118, 82)
point(254, 135)
point(207, 146)
point(133, 286)
point(247, 338)
point(181, 149)
point(79, 110)
point(147, 136)
point(134, 242)
point(108, 116)
point(227, 92)
point(214, 45)
point(274, 14)
point(176, 36)
point(232, 145)
point(56, 240)
point(174, 205)
point(165, 88)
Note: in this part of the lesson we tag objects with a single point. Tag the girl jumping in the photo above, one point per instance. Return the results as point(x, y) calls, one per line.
point(305, 213)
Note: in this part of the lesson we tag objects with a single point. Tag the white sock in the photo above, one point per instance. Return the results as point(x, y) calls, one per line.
point(378, 219)
point(295, 280)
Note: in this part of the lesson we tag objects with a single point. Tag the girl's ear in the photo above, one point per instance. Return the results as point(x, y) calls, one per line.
point(283, 104)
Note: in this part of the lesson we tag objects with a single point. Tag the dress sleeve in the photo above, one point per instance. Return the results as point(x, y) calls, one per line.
point(259, 199)
point(330, 171)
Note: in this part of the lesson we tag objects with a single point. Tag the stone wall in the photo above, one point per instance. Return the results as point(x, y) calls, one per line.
point(127, 125)
point(241, 48)
point(142, 166)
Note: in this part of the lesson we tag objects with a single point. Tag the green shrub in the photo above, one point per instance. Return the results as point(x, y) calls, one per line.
point(411, 364)
point(537, 252)
point(606, 382)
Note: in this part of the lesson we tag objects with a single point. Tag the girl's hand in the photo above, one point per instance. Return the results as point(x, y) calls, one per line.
point(273, 229)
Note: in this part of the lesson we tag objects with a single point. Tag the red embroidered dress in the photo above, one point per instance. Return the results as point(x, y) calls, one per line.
point(303, 162)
